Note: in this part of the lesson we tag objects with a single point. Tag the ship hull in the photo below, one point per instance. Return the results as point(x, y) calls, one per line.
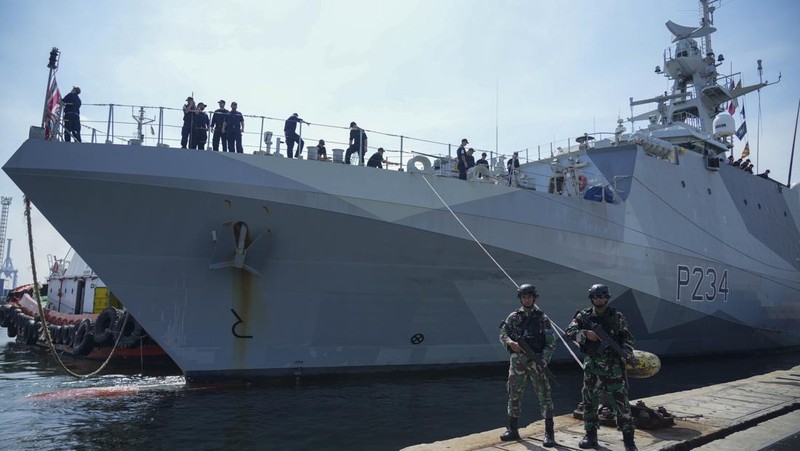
point(353, 269)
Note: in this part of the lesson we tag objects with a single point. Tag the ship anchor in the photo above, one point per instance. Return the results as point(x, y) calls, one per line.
point(239, 259)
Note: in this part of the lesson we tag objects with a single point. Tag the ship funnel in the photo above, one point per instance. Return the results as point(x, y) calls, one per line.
point(724, 125)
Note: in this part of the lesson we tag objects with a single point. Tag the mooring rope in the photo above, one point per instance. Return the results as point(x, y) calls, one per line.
point(559, 331)
point(38, 298)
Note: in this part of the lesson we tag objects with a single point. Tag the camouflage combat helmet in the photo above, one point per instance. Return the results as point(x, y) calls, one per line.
point(526, 288)
point(599, 290)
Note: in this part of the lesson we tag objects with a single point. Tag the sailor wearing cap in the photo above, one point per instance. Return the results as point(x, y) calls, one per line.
point(291, 135)
point(200, 128)
point(188, 119)
point(461, 156)
point(233, 127)
point(513, 168)
point(216, 125)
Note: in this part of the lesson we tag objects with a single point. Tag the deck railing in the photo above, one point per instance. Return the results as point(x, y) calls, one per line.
point(161, 127)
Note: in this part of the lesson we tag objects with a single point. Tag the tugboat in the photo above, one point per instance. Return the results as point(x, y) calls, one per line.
point(83, 316)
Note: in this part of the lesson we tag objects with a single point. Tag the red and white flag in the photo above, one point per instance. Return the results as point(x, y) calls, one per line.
point(735, 102)
point(52, 110)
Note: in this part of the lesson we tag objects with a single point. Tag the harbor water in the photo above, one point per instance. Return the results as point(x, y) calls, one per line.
point(152, 408)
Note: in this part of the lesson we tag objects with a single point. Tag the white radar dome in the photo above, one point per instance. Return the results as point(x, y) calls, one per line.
point(724, 125)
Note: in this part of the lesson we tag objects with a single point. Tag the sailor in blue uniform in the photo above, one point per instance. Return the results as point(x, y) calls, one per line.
point(233, 127)
point(291, 135)
point(72, 115)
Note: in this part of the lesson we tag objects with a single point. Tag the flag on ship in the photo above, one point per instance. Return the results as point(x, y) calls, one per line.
point(741, 131)
point(52, 108)
point(742, 113)
point(734, 103)
point(746, 151)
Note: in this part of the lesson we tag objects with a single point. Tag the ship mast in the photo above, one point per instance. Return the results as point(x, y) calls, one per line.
point(707, 20)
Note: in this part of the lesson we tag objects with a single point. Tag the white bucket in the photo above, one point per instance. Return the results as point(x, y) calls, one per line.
point(311, 152)
point(338, 155)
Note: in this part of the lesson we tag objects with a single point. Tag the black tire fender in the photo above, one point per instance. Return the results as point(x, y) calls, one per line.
point(83, 342)
point(133, 332)
point(104, 326)
point(5, 310)
point(30, 332)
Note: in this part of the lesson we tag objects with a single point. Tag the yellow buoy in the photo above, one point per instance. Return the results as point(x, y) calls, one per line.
point(648, 365)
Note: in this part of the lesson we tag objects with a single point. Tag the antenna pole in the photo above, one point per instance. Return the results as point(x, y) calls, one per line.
point(758, 125)
point(794, 140)
point(497, 115)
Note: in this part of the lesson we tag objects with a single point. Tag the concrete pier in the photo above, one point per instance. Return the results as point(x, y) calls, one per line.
point(746, 414)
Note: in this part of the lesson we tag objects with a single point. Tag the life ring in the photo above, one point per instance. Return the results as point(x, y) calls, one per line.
point(411, 166)
point(103, 327)
point(83, 342)
point(581, 182)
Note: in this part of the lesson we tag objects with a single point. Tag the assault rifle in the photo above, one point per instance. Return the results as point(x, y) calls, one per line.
point(607, 342)
point(536, 357)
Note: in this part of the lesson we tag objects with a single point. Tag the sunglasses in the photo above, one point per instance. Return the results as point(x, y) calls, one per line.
point(602, 296)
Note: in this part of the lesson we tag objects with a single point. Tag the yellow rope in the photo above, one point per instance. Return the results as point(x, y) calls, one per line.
point(38, 298)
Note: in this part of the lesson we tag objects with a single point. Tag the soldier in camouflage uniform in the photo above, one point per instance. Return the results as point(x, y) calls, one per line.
point(603, 371)
point(528, 335)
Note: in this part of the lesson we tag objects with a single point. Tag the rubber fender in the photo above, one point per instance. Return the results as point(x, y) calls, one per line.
point(5, 310)
point(67, 334)
point(58, 335)
point(13, 316)
point(104, 326)
point(52, 329)
point(31, 334)
point(647, 366)
point(22, 321)
point(83, 342)
point(133, 332)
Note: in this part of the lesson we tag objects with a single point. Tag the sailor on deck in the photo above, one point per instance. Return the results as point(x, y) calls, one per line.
point(216, 125)
point(72, 115)
point(292, 138)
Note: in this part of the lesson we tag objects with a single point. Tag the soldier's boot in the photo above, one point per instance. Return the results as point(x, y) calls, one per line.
point(511, 432)
point(549, 434)
point(589, 440)
point(627, 440)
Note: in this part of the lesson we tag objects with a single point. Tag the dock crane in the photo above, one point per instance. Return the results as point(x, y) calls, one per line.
point(7, 271)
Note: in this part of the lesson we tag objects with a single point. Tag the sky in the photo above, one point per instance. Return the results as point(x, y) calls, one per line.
point(507, 75)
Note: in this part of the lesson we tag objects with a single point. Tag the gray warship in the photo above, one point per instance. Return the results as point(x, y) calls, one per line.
point(248, 265)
